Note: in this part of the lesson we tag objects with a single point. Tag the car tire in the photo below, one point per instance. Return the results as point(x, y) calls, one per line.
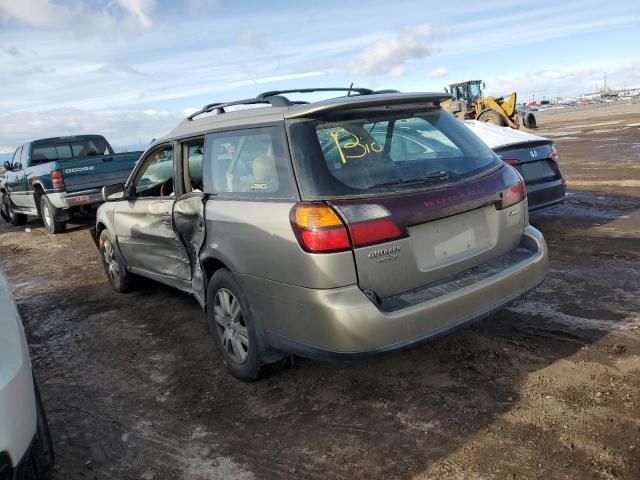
point(117, 275)
point(48, 214)
point(491, 116)
point(41, 455)
point(15, 219)
point(233, 326)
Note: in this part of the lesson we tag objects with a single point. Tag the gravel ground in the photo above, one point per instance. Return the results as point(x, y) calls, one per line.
point(547, 388)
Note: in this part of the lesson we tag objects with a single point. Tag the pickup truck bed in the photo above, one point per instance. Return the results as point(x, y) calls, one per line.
point(84, 178)
point(56, 177)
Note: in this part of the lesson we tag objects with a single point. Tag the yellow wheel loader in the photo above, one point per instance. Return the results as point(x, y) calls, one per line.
point(468, 102)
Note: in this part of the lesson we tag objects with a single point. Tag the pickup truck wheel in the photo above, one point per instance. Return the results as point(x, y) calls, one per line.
point(15, 219)
point(117, 274)
point(231, 322)
point(47, 211)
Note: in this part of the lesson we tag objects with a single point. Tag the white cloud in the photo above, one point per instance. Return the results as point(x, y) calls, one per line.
point(439, 72)
point(11, 50)
point(82, 17)
point(36, 13)
point(120, 127)
point(570, 80)
point(140, 10)
point(389, 54)
point(398, 71)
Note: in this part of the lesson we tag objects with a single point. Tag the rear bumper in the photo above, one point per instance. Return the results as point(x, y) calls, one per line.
point(64, 200)
point(344, 322)
point(546, 194)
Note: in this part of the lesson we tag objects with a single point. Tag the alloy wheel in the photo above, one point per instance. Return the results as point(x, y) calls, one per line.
point(113, 269)
point(46, 214)
point(231, 325)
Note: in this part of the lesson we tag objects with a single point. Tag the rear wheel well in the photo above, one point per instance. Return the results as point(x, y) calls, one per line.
point(266, 351)
point(38, 192)
point(211, 266)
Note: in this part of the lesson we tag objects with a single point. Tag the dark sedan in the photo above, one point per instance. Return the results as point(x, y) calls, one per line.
point(535, 157)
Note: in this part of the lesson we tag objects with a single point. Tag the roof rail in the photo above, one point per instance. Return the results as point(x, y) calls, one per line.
point(273, 100)
point(361, 91)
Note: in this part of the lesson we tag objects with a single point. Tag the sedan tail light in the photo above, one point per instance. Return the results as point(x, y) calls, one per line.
point(511, 161)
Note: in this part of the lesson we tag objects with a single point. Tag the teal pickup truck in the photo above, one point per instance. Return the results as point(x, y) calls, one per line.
point(54, 178)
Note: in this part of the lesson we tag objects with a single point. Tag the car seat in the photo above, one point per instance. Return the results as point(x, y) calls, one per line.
point(265, 174)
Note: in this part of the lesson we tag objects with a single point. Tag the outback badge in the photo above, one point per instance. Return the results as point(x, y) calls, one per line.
point(385, 254)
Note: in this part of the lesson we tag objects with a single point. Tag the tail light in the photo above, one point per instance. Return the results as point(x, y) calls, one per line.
point(511, 161)
point(319, 229)
point(57, 180)
point(554, 153)
point(514, 194)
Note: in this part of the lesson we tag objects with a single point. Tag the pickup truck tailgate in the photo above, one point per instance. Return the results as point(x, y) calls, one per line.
point(90, 173)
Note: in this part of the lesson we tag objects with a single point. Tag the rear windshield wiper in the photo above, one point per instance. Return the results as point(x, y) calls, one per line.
point(440, 176)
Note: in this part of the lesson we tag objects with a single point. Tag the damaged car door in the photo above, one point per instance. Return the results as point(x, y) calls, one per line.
point(144, 224)
point(188, 213)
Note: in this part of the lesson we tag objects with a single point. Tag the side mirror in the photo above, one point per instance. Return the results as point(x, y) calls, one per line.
point(113, 193)
point(7, 166)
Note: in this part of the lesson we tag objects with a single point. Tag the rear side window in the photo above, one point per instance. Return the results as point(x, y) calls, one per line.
point(193, 167)
point(368, 154)
point(250, 163)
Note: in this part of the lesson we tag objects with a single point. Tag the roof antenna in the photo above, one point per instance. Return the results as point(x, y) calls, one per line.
point(349, 91)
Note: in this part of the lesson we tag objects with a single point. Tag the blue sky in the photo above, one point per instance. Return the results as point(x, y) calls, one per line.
point(131, 69)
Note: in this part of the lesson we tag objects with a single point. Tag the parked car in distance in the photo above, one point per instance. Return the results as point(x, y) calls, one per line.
point(25, 443)
point(535, 157)
point(318, 229)
point(55, 177)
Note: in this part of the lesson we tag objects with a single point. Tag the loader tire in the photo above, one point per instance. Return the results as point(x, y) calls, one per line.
point(491, 116)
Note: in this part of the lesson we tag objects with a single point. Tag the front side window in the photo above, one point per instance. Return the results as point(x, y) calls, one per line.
point(156, 177)
point(474, 91)
point(16, 157)
point(385, 153)
point(249, 163)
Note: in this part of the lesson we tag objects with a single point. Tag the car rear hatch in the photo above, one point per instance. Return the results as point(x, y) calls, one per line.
point(421, 197)
point(90, 173)
point(536, 162)
point(439, 233)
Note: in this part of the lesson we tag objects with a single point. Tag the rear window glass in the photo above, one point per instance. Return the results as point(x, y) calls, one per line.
point(69, 148)
point(377, 154)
